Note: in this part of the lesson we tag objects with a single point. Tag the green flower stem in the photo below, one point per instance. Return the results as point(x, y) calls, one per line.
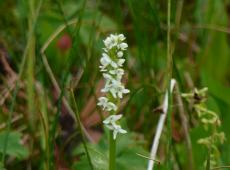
point(112, 152)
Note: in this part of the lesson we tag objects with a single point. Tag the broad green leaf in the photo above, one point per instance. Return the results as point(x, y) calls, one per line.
point(126, 158)
point(99, 160)
point(14, 147)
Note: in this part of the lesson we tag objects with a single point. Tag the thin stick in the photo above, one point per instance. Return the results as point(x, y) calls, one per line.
point(160, 126)
point(185, 126)
point(220, 167)
point(213, 28)
point(148, 158)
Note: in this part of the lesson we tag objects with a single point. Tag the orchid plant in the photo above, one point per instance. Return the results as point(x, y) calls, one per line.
point(209, 120)
point(112, 61)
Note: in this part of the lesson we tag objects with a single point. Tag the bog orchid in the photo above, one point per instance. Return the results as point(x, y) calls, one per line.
point(111, 67)
point(210, 121)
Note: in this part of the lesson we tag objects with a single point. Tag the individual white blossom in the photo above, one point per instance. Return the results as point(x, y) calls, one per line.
point(120, 54)
point(120, 62)
point(112, 62)
point(115, 88)
point(117, 129)
point(111, 106)
point(102, 102)
point(110, 123)
point(118, 73)
point(106, 105)
point(112, 119)
point(105, 61)
point(123, 46)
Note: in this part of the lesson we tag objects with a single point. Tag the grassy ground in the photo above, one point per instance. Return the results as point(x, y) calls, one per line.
point(49, 48)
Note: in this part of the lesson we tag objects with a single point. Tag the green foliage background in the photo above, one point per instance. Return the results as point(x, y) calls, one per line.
point(201, 55)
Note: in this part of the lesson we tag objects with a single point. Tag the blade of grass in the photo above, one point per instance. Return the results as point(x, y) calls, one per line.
point(169, 91)
point(30, 68)
point(208, 166)
point(75, 42)
point(220, 167)
point(185, 126)
point(45, 125)
point(160, 126)
point(55, 124)
point(46, 134)
point(21, 69)
point(50, 72)
point(80, 128)
point(146, 157)
point(60, 7)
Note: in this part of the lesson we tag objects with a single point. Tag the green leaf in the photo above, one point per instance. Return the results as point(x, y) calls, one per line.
point(2, 166)
point(126, 157)
point(130, 160)
point(99, 160)
point(14, 147)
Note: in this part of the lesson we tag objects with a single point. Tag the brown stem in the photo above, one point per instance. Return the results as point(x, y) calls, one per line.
point(184, 120)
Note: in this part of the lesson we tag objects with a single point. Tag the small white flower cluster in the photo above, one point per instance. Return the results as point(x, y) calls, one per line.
point(111, 67)
point(110, 123)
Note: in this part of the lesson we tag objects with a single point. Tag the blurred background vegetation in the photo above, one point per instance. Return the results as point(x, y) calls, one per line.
point(35, 107)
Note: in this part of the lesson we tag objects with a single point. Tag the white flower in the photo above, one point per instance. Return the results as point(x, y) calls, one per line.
point(121, 37)
point(112, 119)
point(108, 43)
point(123, 46)
point(111, 106)
point(118, 73)
point(106, 105)
point(107, 76)
point(118, 129)
point(111, 66)
point(115, 40)
point(115, 87)
point(111, 41)
point(105, 61)
point(110, 123)
point(114, 64)
point(122, 91)
point(120, 62)
point(103, 101)
point(119, 54)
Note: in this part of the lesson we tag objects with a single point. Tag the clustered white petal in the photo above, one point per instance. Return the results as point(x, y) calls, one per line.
point(106, 105)
point(111, 67)
point(110, 123)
